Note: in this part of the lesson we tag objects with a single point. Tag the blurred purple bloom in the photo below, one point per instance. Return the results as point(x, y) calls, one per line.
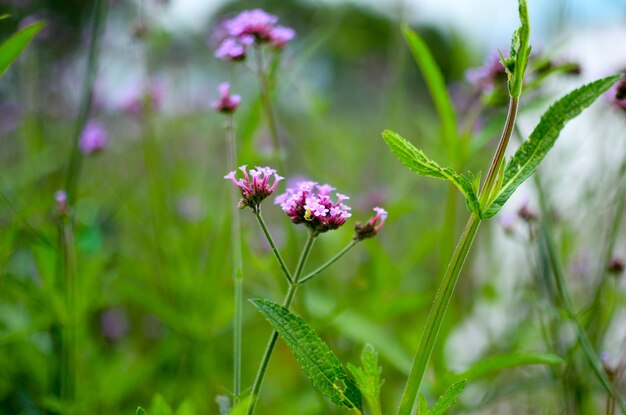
point(280, 35)
point(254, 186)
point(138, 94)
point(114, 324)
point(315, 209)
point(617, 94)
point(231, 49)
point(227, 103)
point(372, 226)
point(93, 139)
point(60, 197)
point(252, 22)
point(486, 77)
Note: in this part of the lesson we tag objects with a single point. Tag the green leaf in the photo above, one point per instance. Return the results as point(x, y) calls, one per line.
point(140, 411)
point(159, 406)
point(448, 399)
point(319, 363)
point(515, 64)
point(437, 87)
point(495, 364)
point(12, 47)
point(525, 161)
point(242, 406)
point(416, 160)
point(368, 378)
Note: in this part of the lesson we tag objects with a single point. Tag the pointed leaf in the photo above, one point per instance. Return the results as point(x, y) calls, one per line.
point(242, 407)
point(319, 363)
point(515, 64)
point(448, 399)
point(422, 405)
point(525, 161)
point(436, 86)
point(159, 406)
point(368, 378)
point(495, 364)
point(12, 47)
point(417, 161)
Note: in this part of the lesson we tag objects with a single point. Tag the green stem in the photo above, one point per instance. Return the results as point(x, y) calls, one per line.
point(76, 157)
point(451, 276)
point(293, 287)
point(237, 266)
point(583, 338)
point(267, 103)
point(279, 257)
point(68, 350)
point(328, 263)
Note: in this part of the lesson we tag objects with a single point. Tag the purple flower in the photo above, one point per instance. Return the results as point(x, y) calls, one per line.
point(227, 103)
point(254, 186)
point(487, 76)
point(372, 226)
point(617, 94)
point(246, 28)
point(114, 324)
point(137, 95)
point(93, 139)
point(60, 197)
point(316, 209)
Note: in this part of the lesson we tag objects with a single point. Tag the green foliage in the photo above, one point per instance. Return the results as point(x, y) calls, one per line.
point(319, 363)
point(515, 64)
point(525, 161)
point(140, 411)
point(496, 364)
point(159, 406)
point(417, 161)
point(12, 47)
point(436, 86)
point(444, 402)
point(368, 378)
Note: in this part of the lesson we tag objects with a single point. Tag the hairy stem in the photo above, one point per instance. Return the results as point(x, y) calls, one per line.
point(451, 276)
point(277, 254)
point(76, 157)
point(293, 287)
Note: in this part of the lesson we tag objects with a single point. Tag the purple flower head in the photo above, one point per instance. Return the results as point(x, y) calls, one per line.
point(372, 226)
point(60, 197)
point(228, 103)
point(280, 35)
point(138, 95)
point(487, 76)
point(617, 94)
point(311, 204)
point(257, 23)
point(233, 48)
point(254, 186)
point(93, 139)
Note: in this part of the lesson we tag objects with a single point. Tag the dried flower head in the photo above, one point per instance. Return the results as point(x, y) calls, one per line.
point(93, 139)
point(372, 226)
point(254, 186)
point(311, 204)
point(227, 103)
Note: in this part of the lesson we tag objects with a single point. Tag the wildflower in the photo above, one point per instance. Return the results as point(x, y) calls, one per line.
point(489, 75)
point(316, 209)
point(138, 95)
point(60, 197)
point(618, 94)
point(114, 324)
point(254, 186)
point(227, 103)
point(93, 139)
point(507, 221)
point(372, 226)
point(247, 28)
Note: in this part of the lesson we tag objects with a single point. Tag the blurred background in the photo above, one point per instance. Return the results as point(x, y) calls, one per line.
point(152, 211)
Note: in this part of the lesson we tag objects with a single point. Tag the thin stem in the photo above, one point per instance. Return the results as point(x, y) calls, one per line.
point(451, 276)
point(76, 157)
point(328, 263)
point(237, 266)
point(267, 103)
point(293, 287)
point(268, 236)
point(583, 338)
point(68, 351)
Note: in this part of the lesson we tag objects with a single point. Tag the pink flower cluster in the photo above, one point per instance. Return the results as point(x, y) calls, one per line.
point(372, 226)
point(316, 209)
point(248, 27)
point(254, 186)
point(227, 103)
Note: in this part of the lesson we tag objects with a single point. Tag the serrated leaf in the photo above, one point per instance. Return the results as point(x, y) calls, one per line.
point(525, 161)
point(140, 411)
point(448, 398)
point(368, 378)
point(13, 46)
point(422, 405)
point(495, 364)
point(319, 363)
point(436, 86)
point(417, 161)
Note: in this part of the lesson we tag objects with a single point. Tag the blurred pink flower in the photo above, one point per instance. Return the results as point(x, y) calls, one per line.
point(93, 139)
point(228, 103)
